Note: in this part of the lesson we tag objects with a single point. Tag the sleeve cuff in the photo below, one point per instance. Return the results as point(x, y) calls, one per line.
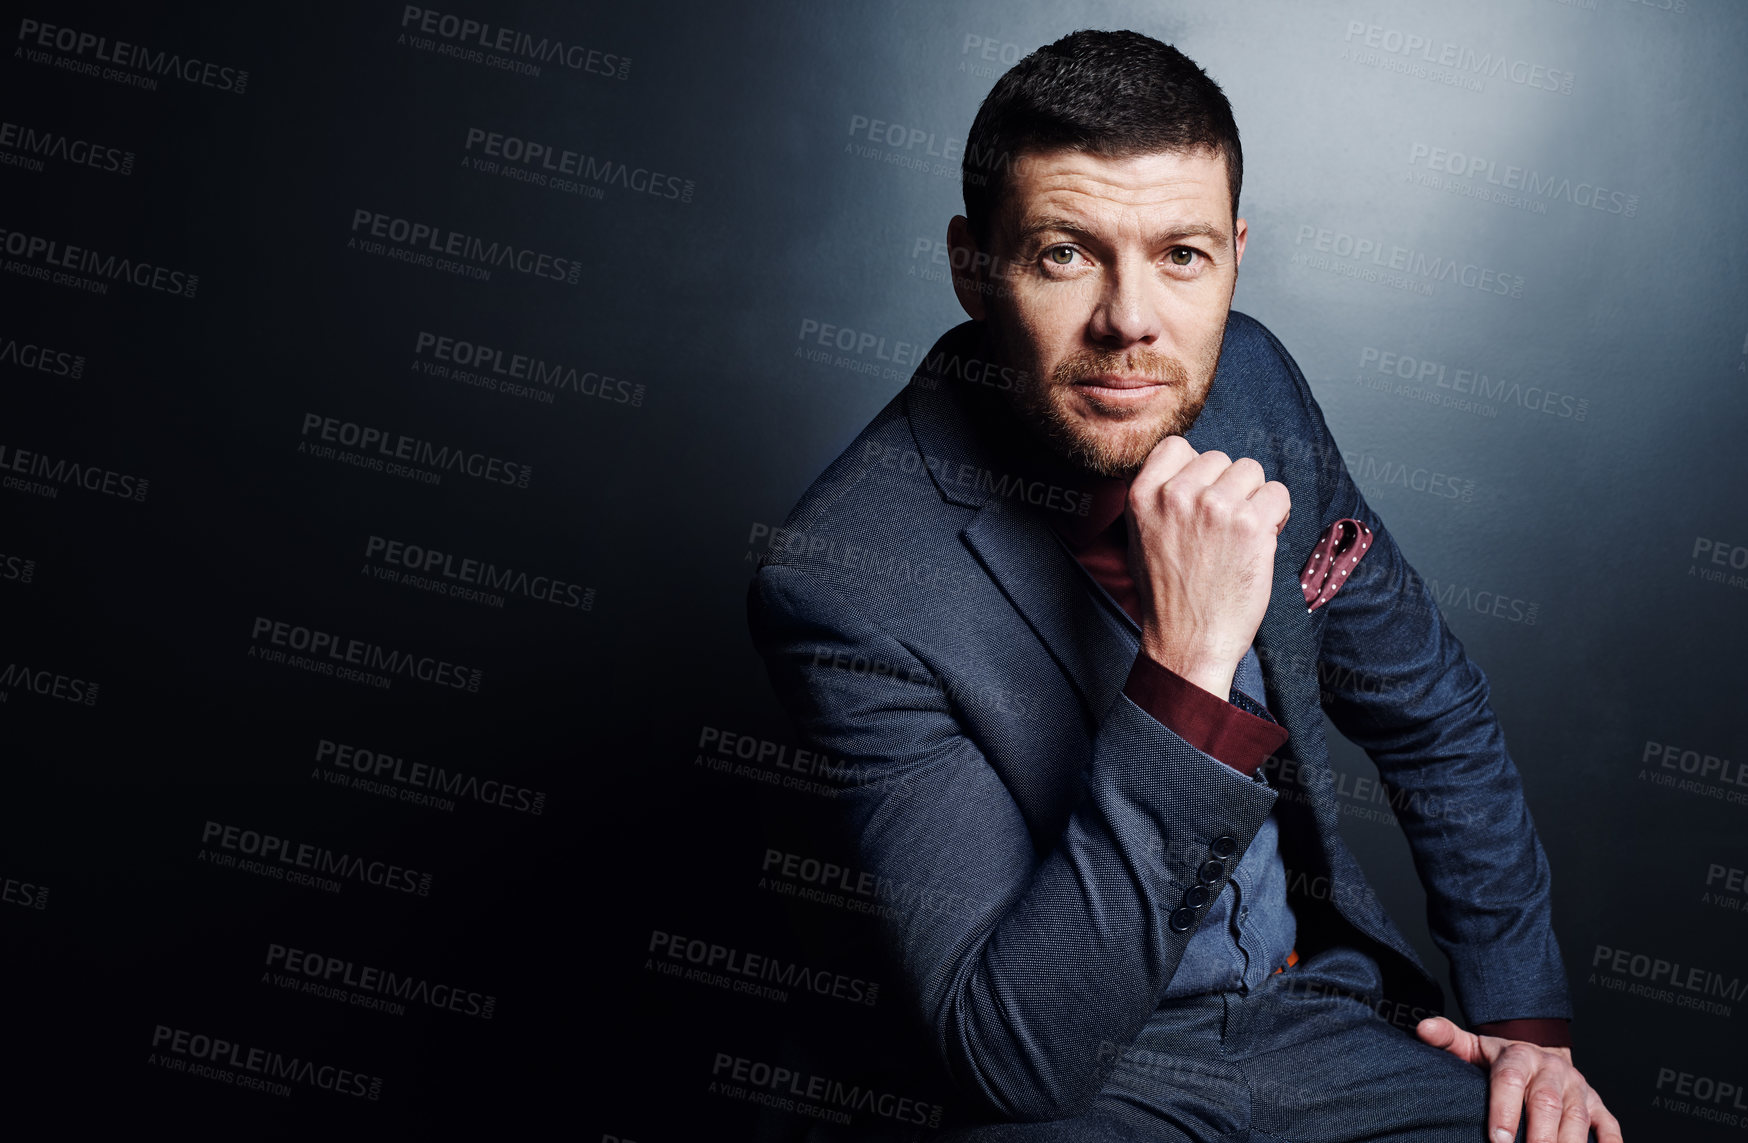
point(1549, 1031)
point(1219, 729)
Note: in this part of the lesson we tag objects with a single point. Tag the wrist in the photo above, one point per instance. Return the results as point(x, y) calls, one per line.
point(1210, 674)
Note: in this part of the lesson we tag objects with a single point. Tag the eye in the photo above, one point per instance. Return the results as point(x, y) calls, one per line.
point(1182, 255)
point(1060, 255)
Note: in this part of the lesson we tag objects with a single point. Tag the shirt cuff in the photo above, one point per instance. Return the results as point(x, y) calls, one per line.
point(1548, 1031)
point(1217, 728)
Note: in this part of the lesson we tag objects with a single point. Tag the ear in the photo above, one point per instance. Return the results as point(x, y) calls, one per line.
point(1240, 231)
point(970, 273)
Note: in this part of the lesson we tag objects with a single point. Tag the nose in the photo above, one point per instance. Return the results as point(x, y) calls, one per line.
point(1128, 309)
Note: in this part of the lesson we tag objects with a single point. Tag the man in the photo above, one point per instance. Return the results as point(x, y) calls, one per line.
point(1080, 656)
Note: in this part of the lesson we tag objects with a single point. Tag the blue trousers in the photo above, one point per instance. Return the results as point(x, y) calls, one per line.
point(1305, 1058)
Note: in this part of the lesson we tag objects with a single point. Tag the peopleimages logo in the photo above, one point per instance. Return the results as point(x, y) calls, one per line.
point(542, 163)
point(1653, 978)
point(816, 1096)
point(376, 769)
point(1426, 58)
point(41, 358)
point(453, 251)
point(1473, 381)
point(1406, 262)
point(374, 445)
point(365, 986)
point(469, 576)
point(752, 974)
point(25, 146)
point(51, 260)
point(489, 367)
point(328, 654)
point(66, 473)
point(24, 894)
point(279, 857)
point(213, 1057)
point(477, 41)
point(48, 684)
point(1525, 179)
point(120, 57)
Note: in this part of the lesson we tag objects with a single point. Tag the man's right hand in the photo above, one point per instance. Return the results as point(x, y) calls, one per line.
point(1202, 531)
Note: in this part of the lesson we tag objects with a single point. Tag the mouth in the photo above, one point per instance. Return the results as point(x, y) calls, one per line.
point(1120, 389)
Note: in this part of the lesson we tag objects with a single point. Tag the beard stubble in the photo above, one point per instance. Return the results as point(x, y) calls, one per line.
point(1116, 444)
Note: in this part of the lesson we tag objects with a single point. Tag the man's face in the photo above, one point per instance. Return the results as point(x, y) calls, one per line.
point(1112, 284)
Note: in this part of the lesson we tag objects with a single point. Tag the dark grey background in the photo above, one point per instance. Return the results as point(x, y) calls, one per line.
point(1568, 559)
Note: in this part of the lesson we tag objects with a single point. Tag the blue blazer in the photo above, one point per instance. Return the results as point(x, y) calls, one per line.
point(1031, 828)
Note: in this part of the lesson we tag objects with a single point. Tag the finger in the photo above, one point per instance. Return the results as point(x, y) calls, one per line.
point(1575, 1114)
point(1442, 1033)
point(1608, 1128)
point(1146, 495)
point(1240, 480)
point(1204, 468)
point(1505, 1089)
point(1165, 461)
point(1545, 1101)
point(1274, 502)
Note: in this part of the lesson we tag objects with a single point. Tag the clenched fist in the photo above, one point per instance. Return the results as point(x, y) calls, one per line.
point(1202, 531)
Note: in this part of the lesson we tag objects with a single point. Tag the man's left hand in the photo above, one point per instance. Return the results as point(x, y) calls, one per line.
point(1562, 1105)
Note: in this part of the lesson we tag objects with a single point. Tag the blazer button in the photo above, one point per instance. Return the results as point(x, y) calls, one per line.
point(1210, 872)
point(1195, 897)
point(1225, 845)
point(1181, 919)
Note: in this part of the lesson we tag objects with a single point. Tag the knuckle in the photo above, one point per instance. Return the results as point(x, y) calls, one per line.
point(1255, 523)
point(1510, 1075)
point(1545, 1099)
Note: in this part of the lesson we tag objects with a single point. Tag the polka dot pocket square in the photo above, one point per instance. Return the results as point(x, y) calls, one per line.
point(1339, 549)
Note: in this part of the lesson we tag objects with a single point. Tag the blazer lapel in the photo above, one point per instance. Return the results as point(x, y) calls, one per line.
point(1013, 542)
point(1042, 581)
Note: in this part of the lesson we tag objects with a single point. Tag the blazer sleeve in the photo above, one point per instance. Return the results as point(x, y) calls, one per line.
point(1032, 962)
point(1396, 681)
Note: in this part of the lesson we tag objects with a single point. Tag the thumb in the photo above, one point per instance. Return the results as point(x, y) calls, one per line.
point(1442, 1033)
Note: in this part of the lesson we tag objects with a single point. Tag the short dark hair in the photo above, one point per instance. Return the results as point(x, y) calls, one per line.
point(1112, 94)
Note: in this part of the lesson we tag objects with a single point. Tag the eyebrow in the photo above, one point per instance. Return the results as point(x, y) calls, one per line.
point(1179, 230)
